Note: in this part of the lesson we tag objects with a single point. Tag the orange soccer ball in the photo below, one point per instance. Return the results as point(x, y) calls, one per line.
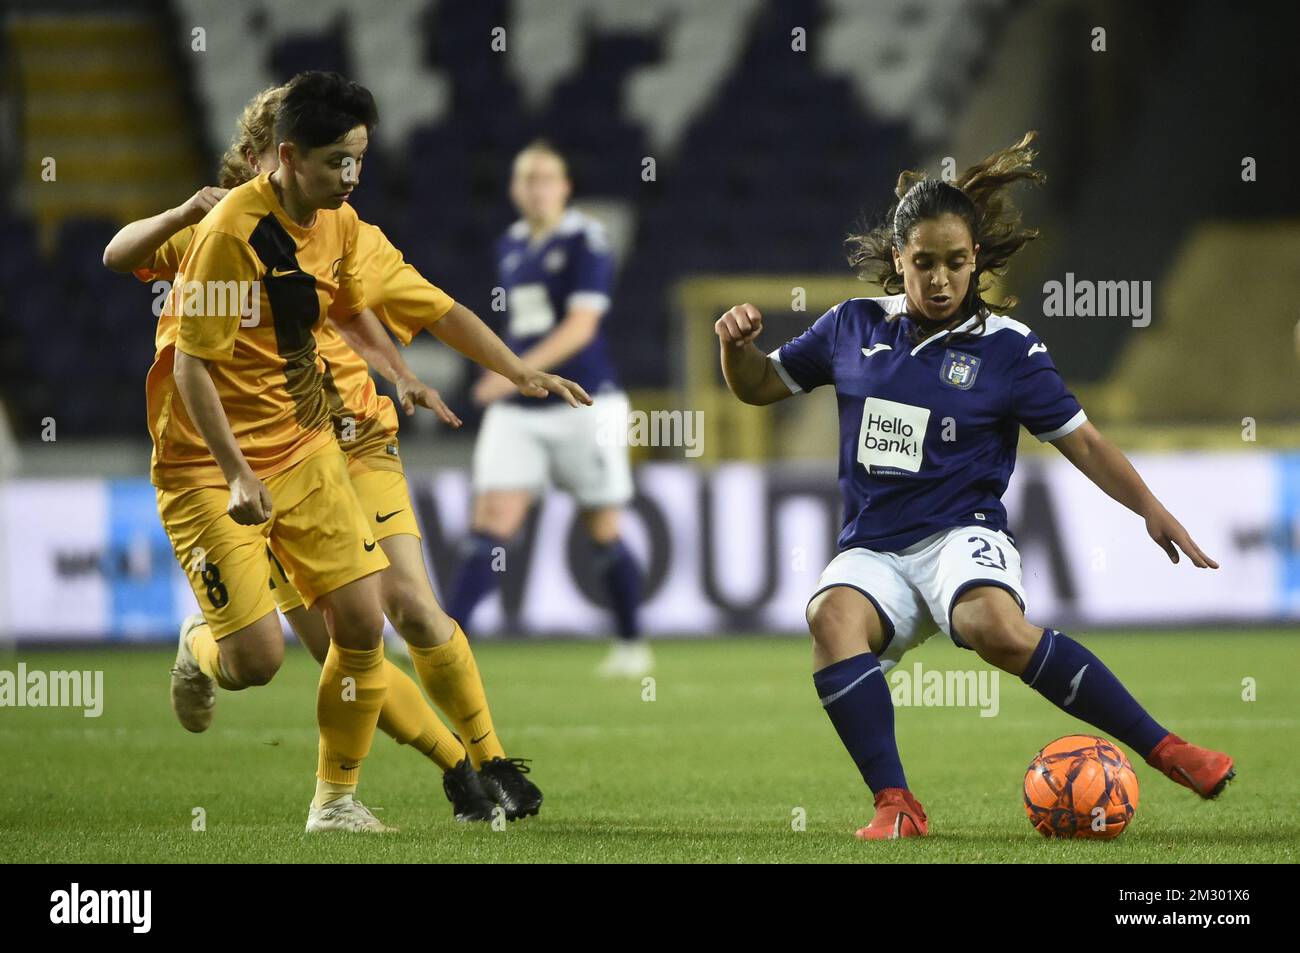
point(1081, 786)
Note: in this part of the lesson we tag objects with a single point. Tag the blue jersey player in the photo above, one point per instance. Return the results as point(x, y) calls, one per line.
point(932, 388)
point(557, 272)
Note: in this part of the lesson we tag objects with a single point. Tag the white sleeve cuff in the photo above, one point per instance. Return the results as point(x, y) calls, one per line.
point(775, 358)
point(595, 300)
point(1069, 427)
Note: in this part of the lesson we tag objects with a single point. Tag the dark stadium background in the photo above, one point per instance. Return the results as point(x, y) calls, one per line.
point(764, 158)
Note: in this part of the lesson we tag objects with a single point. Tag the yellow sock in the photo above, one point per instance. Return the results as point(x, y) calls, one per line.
point(348, 699)
point(327, 792)
point(450, 676)
point(407, 718)
point(205, 649)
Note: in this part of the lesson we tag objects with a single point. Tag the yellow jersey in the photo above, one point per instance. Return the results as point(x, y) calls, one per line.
point(365, 423)
point(250, 290)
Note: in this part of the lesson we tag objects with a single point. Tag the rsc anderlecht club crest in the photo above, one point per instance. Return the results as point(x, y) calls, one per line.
point(959, 369)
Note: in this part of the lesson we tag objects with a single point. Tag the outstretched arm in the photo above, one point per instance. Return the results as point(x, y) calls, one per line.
point(569, 337)
point(462, 329)
point(133, 246)
point(365, 335)
point(1105, 465)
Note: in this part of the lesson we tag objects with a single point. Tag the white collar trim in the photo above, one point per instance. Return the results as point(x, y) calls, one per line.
point(964, 326)
point(572, 221)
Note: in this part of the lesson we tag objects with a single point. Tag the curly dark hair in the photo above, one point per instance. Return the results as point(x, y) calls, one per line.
point(979, 198)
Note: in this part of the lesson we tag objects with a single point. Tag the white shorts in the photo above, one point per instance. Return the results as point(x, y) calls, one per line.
point(914, 589)
point(582, 450)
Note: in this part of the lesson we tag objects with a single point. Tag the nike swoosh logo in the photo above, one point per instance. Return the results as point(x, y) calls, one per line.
point(277, 273)
point(475, 741)
point(369, 544)
point(867, 352)
point(1074, 686)
point(386, 516)
point(1036, 349)
point(349, 767)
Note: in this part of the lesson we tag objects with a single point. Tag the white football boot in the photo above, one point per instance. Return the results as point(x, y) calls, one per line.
point(194, 695)
point(627, 660)
point(345, 814)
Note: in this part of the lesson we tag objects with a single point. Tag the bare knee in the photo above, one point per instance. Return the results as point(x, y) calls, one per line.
point(416, 615)
point(844, 623)
point(251, 662)
point(354, 614)
point(997, 631)
point(601, 524)
point(357, 626)
point(259, 672)
point(500, 513)
point(309, 626)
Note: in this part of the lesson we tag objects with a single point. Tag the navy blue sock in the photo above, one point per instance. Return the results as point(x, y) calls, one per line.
point(622, 578)
point(476, 578)
point(856, 697)
point(1076, 681)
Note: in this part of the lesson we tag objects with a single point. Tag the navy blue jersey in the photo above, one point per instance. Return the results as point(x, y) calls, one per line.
point(927, 432)
point(570, 267)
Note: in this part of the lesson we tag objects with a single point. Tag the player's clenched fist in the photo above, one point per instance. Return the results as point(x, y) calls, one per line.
point(250, 501)
point(739, 326)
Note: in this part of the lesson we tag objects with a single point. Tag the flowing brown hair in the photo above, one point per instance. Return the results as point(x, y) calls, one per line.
point(253, 133)
point(979, 197)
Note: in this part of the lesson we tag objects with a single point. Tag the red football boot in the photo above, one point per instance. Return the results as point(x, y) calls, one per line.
point(898, 814)
point(1204, 771)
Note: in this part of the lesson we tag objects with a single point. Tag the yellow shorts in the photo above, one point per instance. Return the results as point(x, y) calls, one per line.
point(317, 530)
point(385, 500)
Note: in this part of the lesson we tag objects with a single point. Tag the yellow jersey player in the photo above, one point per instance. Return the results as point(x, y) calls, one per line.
point(366, 426)
point(247, 454)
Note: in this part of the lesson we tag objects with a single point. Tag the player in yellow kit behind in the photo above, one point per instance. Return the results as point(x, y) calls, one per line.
point(366, 427)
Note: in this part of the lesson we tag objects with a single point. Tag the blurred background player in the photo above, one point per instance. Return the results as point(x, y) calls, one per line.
point(366, 427)
point(557, 272)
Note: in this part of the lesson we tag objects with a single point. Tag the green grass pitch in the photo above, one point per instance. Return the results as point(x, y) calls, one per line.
point(714, 769)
